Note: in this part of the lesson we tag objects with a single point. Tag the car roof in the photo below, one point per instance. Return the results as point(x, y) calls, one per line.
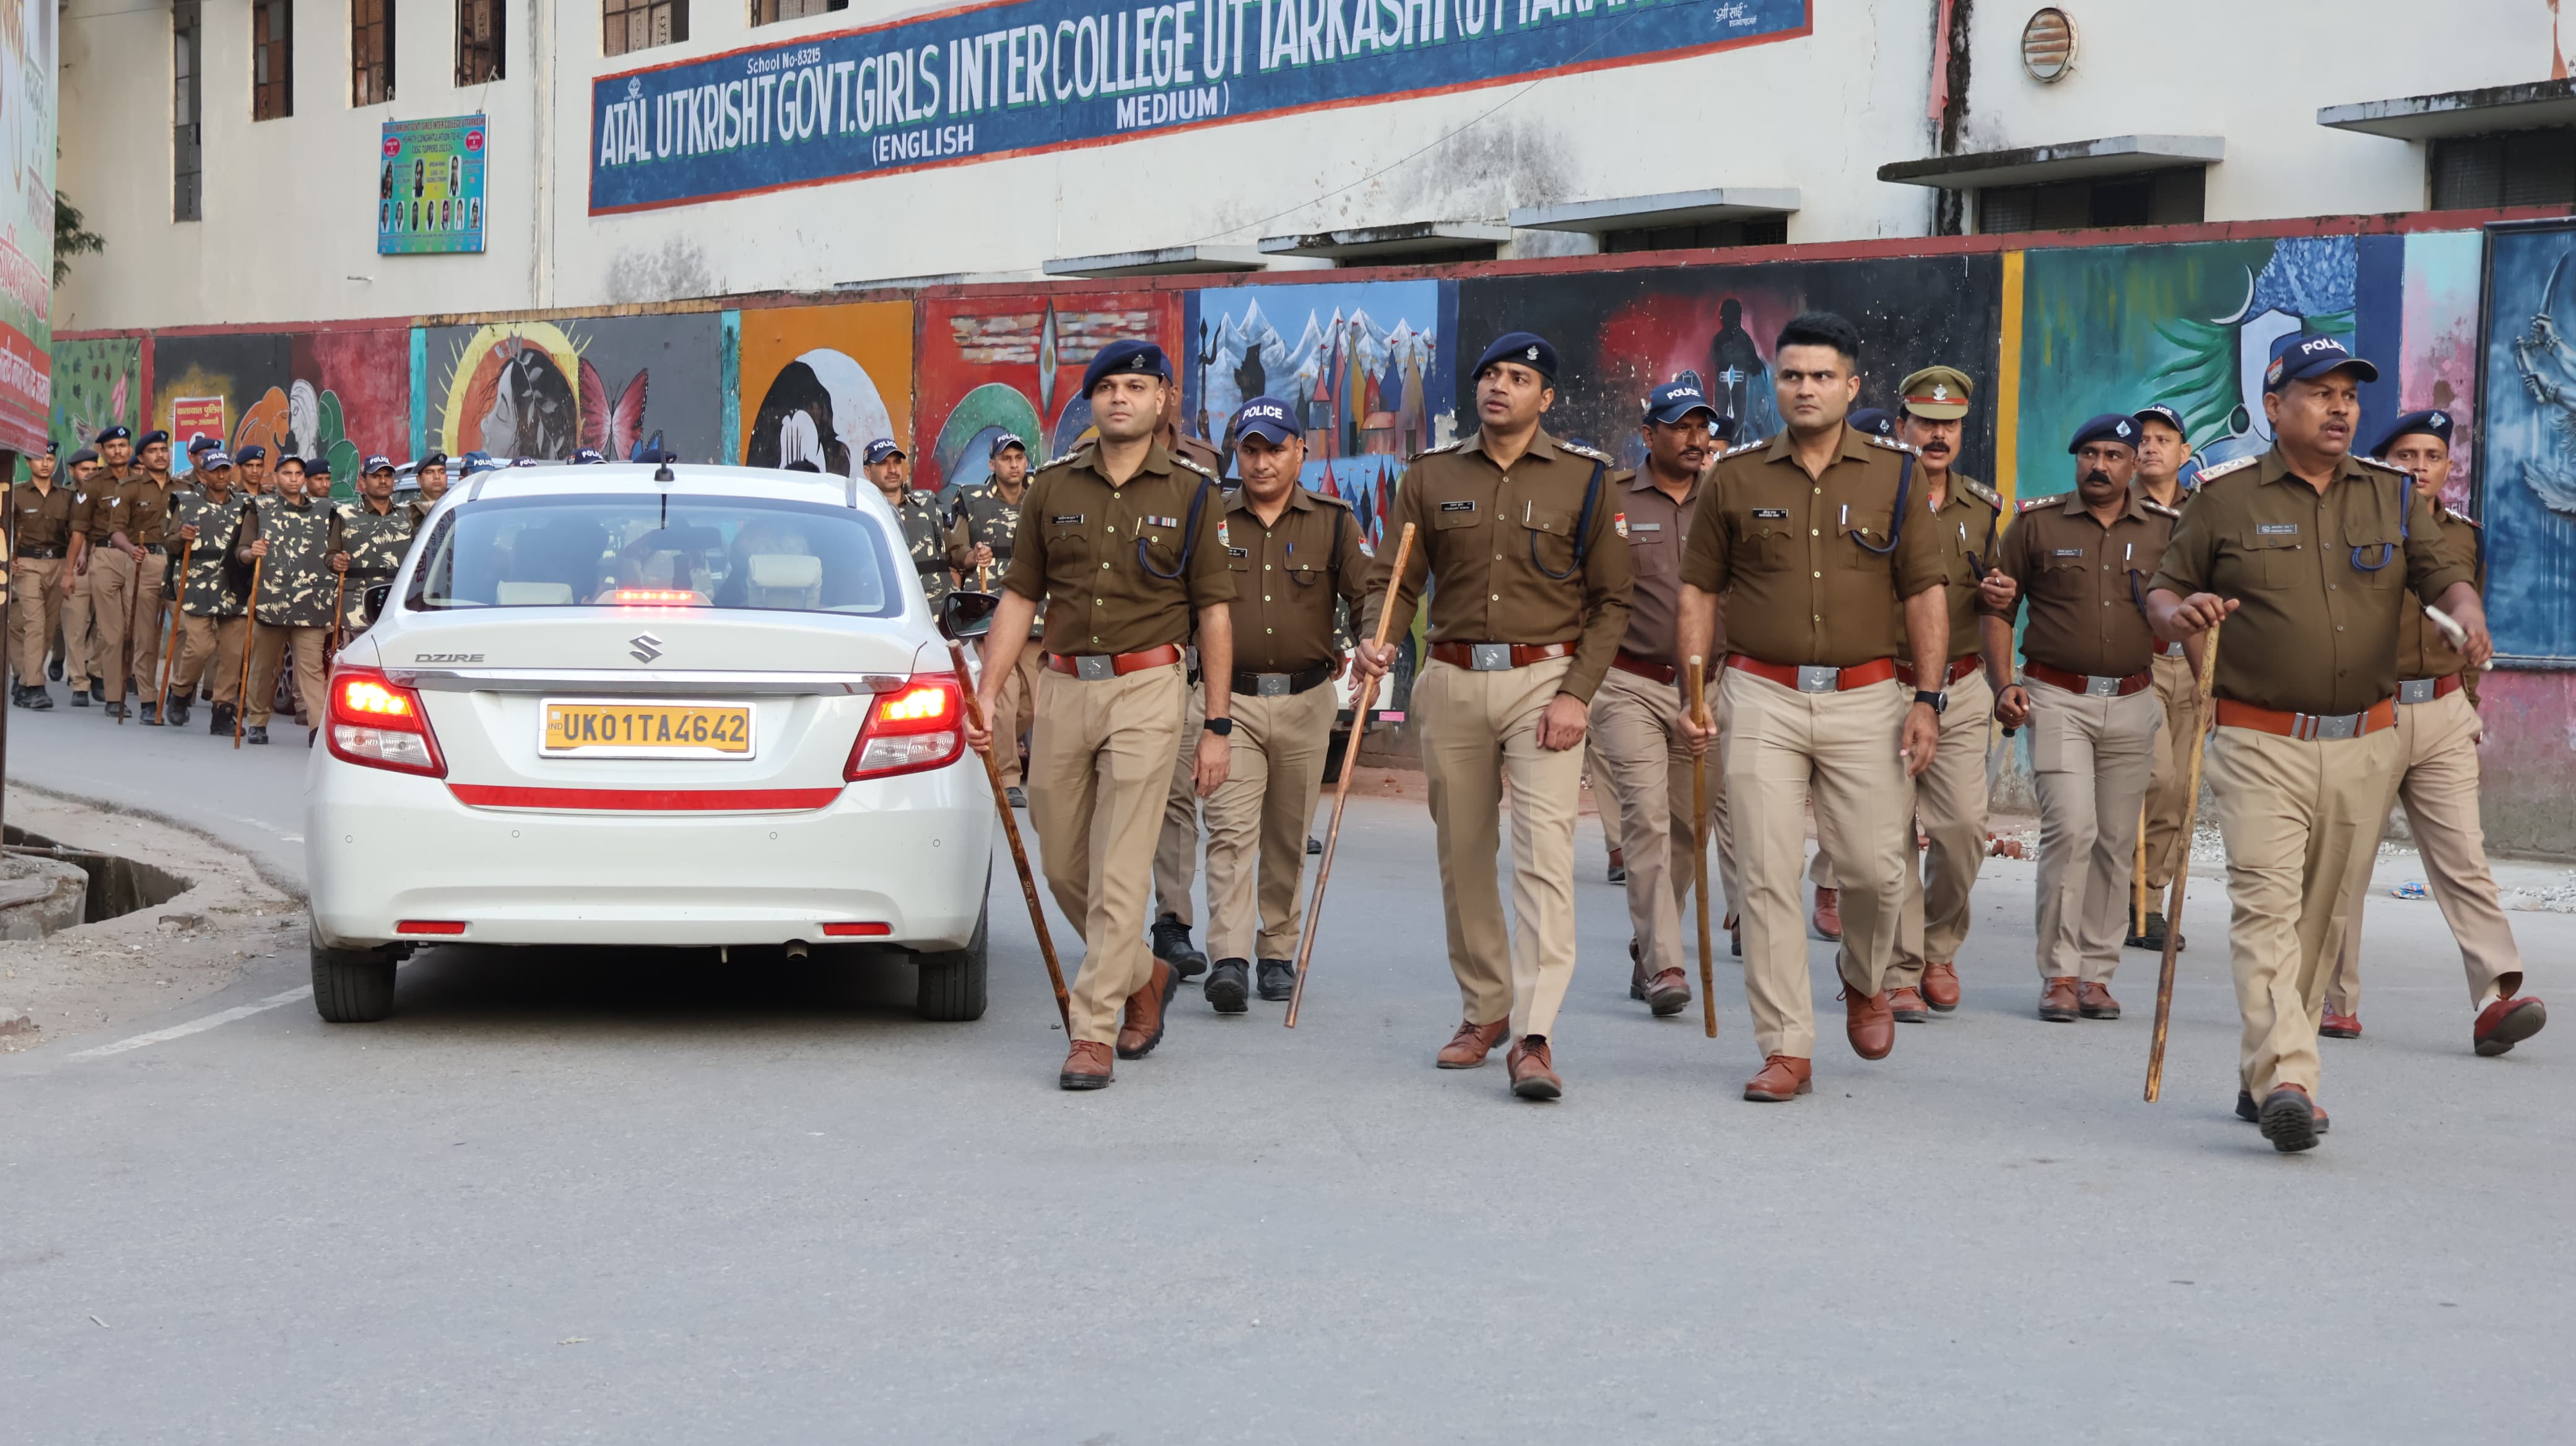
point(687, 479)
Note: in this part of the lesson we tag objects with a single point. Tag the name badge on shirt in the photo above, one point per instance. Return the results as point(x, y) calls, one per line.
point(1468, 506)
point(1066, 519)
point(2276, 529)
point(1774, 513)
point(1645, 527)
point(1238, 552)
point(2068, 552)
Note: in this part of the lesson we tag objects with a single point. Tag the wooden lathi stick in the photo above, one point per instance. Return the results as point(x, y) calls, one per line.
point(1019, 852)
point(250, 615)
point(2182, 873)
point(1698, 704)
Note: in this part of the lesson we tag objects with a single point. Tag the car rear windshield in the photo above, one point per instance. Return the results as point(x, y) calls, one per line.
point(661, 551)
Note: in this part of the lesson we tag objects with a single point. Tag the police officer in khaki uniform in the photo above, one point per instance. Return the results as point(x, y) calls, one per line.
point(431, 474)
point(2437, 740)
point(1295, 557)
point(127, 601)
point(2082, 561)
point(2309, 554)
point(1641, 760)
point(1812, 539)
point(1120, 542)
point(990, 514)
point(42, 524)
point(2163, 448)
point(97, 505)
point(1515, 534)
point(937, 546)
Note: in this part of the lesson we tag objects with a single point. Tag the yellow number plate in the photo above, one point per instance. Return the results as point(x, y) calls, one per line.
point(607, 729)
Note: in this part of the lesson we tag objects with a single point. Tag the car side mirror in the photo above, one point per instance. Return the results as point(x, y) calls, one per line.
point(377, 595)
point(965, 614)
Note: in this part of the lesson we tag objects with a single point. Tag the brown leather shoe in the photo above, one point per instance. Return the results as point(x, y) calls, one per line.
point(2057, 1000)
point(1829, 914)
point(2339, 1026)
point(1941, 986)
point(2289, 1119)
point(1784, 1077)
point(1142, 1029)
point(1086, 1067)
point(1468, 1047)
point(1666, 993)
point(1906, 1005)
point(1533, 1071)
point(1868, 1023)
point(2094, 1001)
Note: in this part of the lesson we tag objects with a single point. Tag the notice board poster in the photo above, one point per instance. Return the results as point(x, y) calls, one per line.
point(429, 186)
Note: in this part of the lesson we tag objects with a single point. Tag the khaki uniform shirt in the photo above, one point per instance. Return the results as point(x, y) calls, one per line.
point(2086, 583)
point(145, 507)
point(1503, 549)
point(1967, 520)
point(1792, 557)
point(44, 519)
point(1657, 528)
point(99, 508)
point(2315, 633)
point(1113, 564)
point(1287, 578)
point(2422, 651)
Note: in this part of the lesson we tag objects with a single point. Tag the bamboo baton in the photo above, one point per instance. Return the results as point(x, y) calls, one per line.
point(340, 589)
point(170, 643)
point(1011, 831)
point(250, 615)
point(2182, 873)
point(1699, 849)
point(2138, 909)
point(1342, 787)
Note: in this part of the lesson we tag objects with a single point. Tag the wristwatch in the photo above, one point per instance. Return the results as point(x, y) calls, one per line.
point(1937, 702)
point(1221, 727)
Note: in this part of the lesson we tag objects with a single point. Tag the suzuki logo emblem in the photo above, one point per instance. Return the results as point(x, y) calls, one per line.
point(646, 647)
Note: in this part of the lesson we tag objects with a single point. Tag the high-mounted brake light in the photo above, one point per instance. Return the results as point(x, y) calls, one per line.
point(913, 728)
point(654, 597)
point(378, 723)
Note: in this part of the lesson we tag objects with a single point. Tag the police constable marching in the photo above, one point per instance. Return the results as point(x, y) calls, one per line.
point(212, 611)
point(1530, 582)
point(2087, 696)
point(990, 515)
point(1294, 556)
point(374, 537)
point(2437, 740)
point(42, 528)
point(2163, 448)
point(2309, 554)
point(1121, 542)
point(1812, 539)
point(936, 546)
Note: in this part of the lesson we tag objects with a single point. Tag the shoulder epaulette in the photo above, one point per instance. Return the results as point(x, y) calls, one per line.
point(2453, 514)
point(2158, 508)
point(2033, 504)
point(1743, 447)
point(2223, 469)
point(1061, 460)
point(1579, 450)
point(1435, 451)
point(1891, 444)
point(1193, 466)
point(2382, 466)
point(1983, 493)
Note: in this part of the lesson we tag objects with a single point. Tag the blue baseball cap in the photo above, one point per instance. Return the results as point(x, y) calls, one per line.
point(2159, 412)
point(374, 465)
point(1522, 348)
point(213, 457)
point(2435, 423)
point(2303, 355)
point(1876, 421)
point(1005, 441)
point(883, 449)
point(1675, 400)
point(2109, 427)
point(1140, 358)
point(1268, 418)
point(588, 457)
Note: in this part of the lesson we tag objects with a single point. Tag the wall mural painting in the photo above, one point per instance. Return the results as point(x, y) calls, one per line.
point(339, 395)
point(548, 389)
point(818, 383)
point(2527, 475)
point(98, 383)
point(992, 364)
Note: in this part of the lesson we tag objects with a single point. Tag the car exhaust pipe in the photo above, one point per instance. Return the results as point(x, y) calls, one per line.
point(795, 948)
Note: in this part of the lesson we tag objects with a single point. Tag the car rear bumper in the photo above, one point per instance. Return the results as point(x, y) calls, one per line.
point(911, 853)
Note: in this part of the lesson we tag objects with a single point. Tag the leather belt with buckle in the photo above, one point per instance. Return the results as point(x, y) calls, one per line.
point(2425, 690)
point(1960, 667)
point(156, 547)
point(1628, 662)
point(1811, 678)
point(41, 554)
point(2307, 727)
point(2091, 685)
point(1497, 657)
point(1282, 685)
point(1100, 667)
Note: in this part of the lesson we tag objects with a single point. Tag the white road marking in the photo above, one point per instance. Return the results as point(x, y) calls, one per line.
point(197, 1026)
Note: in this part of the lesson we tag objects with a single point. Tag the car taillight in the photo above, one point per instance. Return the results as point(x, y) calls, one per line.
point(917, 726)
point(378, 723)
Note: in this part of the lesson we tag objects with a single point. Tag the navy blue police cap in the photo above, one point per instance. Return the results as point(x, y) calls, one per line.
point(2302, 355)
point(2434, 423)
point(1522, 348)
point(1876, 421)
point(212, 458)
point(53, 449)
point(1126, 358)
point(1675, 400)
point(374, 465)
point(1268, 418)
point(883, 449)
point(148, 438)
point(434, 459)
point(202, 443)
point(588, 457)
point(2109, 427)
point(111, 434)
point(317, 466)
point(1005, 441)
point(252, 453)
point(85, 454)
point(2159, 412)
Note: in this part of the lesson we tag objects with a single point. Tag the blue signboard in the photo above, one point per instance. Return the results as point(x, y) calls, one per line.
point(1031, 75)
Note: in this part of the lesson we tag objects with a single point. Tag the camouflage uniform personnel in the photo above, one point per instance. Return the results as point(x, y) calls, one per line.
point(294, 608)
point(213, 613)
point(376, 543)
point(988, 521)
point(936, 546)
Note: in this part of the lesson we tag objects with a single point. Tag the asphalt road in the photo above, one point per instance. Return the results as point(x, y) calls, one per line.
point(640, 1197)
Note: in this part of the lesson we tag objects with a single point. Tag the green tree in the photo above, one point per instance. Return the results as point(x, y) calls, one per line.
point(70, 239)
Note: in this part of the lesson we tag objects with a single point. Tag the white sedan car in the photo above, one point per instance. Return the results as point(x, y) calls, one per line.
point(686, 706)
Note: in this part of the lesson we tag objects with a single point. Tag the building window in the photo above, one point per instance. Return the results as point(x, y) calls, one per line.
point(371, 51)
point(2515, 168)
point(187, 164)
point(272, 59)
point(764, 12)
point(2158, 198)
point(636, 24)
point(480, 50)
point(1751, 231)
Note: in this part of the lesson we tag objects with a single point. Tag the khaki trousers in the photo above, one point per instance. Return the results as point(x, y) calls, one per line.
point(1480, 730)
point(1100, 757)
point(1176, 849)
point(2168, 812)
point(1781, 744)
point(1257, 822)
point(268, 647)
point(1950, 805)
point(127, 614)
point(80, 628)
point(2438, 779)
point(1646, 810)
point(2091, 758)
point(1014, 708)
point(35, 608)
point(210, 653)
point(2300, 820)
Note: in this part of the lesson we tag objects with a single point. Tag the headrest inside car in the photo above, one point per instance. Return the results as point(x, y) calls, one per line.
point(790, 570)
point(532, 594)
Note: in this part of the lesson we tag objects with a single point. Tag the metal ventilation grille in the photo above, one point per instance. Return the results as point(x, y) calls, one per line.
point(2048, 45)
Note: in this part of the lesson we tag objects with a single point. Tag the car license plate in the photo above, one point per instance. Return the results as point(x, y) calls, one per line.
point(585, 728)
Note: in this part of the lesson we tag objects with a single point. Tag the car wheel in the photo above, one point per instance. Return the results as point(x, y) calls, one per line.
point(952, 980)
point(353, 986)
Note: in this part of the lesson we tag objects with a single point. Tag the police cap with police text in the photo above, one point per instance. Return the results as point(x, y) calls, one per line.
point(883, 449)
point(588, 457)
point(374, 465)
point(2302, 356)
point(1126, 358)
point(1268, 418)
point(2109, 427)
point(2435, 423)
point(212, 458)
point(1937, 394)
point(2159, 412)
point(1675, 400)
point(1522, 348)
point(1005, 441)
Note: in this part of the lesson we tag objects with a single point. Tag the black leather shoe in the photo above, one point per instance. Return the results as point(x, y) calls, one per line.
point(220, 723)
point(1226, 985)
point(255, 734)
point(148, 714)
point(98, 690)
point(39, 700)
point(2245, 1111)
point(116, 710)
point(2289, 1120)
point(178, 713)
point(1172, 946)
point(1314, 845)
point(1017, 798)
point(80, 697)
point(54, 669)
point(1278, 980)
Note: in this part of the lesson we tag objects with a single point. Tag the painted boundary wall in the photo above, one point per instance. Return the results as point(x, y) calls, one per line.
point(2472, 312)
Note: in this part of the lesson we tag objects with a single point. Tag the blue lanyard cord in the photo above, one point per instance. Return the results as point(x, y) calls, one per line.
point(1582, 531)
point(2388, 550)
point(1896, 528)
point(1189, 540)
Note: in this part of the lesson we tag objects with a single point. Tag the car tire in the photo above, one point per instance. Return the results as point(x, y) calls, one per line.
point(353, 986)
point(952, 980)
